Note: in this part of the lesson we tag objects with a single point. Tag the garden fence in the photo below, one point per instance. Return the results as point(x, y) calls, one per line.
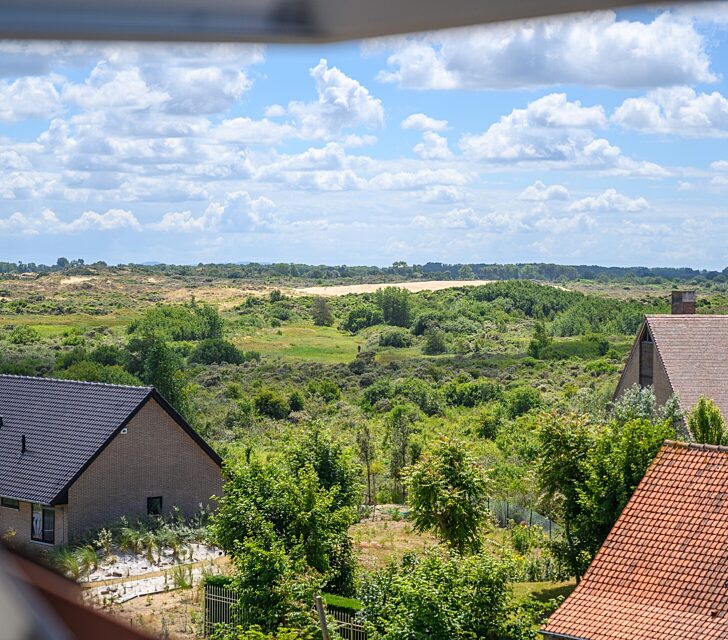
point(506, 511)
point(218, 609)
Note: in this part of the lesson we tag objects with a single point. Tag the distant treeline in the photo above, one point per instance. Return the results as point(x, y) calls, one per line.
point(398, 271)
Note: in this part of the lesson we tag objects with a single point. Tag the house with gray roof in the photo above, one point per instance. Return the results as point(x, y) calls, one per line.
point(75, 456)
point(683, 354)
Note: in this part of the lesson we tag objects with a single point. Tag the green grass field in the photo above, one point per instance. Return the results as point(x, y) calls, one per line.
point(302, 342)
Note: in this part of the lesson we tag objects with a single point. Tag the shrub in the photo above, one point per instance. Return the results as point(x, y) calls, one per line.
point(522, 400)
point(396, 338)
point(216, 351)
point(440, 596)
point(180, 322)
point(24, 334)
point(88, 371)
point(470, 394)
point(361, 317)
point(325, 389)
point(435, 343)
point(272, 404)
point(706, 423)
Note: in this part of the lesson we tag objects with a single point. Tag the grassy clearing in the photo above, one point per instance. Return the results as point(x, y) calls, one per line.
point(384, 539)
point(543, 591)
point(303, 342)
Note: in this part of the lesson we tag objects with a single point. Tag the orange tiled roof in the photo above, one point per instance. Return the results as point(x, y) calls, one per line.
point(662, 573)
point(694, 350)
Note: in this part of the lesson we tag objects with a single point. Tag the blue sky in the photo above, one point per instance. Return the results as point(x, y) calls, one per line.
point(598, 138)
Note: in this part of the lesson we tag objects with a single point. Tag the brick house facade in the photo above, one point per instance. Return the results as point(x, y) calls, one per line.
point(79, 456)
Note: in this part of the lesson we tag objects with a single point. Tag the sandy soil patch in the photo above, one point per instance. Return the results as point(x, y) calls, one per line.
point(76, 279)
point(414, 287)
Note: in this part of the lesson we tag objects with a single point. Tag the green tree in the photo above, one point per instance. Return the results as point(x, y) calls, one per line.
point(333, 463)
point(435, 343)
point(565, 441)
point(321, 312)
point(447, 492)
point(706, 423)
point(399, 425)
point(395, 305)
point(589, 473)
point(155, 363)
point(539, 341)
point(465, 272)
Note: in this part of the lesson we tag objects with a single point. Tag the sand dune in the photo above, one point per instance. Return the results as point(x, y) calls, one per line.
point(418, 285)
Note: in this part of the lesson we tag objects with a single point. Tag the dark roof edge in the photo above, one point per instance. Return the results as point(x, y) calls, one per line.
point(186, 427)
point(153, 393)
point(560, 636)
point(83, 382)
point(64, 490)
point(696, 446)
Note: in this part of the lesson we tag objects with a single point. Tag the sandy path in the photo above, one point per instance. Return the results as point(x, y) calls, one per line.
point(414, 287)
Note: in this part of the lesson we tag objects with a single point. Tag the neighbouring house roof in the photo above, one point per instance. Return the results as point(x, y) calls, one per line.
point(66, 424)
point(694, 351)
point(662, 573)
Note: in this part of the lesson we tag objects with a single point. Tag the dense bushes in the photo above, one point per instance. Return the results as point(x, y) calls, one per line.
point(361, 317)
point(284, 523)
point(180, 322)
point(216, 351)
point(464, 393)
point(271, 403)
point(440, 596)
point(397, 338)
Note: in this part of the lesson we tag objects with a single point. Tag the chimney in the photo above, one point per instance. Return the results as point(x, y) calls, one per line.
point(683, 303)
point(22, 444)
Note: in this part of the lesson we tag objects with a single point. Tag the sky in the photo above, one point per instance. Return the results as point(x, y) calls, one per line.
point(599, 138)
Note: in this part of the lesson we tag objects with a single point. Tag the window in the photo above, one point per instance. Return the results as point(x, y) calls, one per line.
point(43, 524)
point(154, 506)
point(10, 503)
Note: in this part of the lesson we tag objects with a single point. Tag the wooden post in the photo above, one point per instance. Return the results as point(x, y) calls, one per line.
point(322, 617)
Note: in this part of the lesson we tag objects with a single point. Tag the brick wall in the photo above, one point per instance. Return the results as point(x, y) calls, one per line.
point(154, 458)
point(19, 522)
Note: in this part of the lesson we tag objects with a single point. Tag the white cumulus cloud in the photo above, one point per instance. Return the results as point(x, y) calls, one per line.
point(678, 111)
point(433, 147)
point(539, 192)
point(596, 49)
point(610, 201)
point(424, 123)
point(48, 222)
point(549, 128)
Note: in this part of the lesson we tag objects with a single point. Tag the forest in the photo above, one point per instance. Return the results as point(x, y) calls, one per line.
point(478, 419)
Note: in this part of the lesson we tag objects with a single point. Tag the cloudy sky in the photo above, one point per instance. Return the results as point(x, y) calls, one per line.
point(600, 138)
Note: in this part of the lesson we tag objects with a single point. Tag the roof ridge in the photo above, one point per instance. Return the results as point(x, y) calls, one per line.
point(70, 381)
point(697, 446)
point(682, 316)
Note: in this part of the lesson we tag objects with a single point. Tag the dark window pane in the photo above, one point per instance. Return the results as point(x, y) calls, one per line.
point(9, 503)
point(49, 525)
point(154, 506)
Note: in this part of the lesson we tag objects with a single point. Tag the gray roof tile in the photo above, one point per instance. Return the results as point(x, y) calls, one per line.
point(65, 424)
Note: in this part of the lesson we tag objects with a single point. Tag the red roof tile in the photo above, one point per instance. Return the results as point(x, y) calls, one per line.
point(694, 350)
point(662, 573)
